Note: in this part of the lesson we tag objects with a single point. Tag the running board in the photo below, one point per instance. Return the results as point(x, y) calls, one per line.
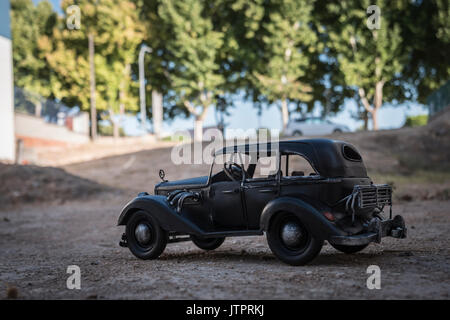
point(236, 233)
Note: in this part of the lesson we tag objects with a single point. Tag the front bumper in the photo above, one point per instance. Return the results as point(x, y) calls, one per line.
point(376, 230)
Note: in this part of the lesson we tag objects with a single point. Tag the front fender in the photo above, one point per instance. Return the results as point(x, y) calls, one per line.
point(159, 208)
point(308, 215)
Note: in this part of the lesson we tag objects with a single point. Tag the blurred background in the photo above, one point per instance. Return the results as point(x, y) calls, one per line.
point(94, 93)
point(133, 68)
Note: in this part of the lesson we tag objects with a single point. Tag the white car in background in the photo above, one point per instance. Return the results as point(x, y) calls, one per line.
point(313, 127)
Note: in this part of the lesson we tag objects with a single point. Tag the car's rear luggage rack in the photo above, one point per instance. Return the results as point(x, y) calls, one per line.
point(369, 196)
point(373, 196)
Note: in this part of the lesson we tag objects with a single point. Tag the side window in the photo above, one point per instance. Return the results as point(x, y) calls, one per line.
point(294, 165)
point(266, 167)
point(219, 160)
point(239, 158)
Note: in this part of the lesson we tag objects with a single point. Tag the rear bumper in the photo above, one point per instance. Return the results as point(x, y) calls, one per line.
point(376, 230)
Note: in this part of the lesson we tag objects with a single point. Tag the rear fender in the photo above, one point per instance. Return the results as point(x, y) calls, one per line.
point(308, 215)
point(159, 208)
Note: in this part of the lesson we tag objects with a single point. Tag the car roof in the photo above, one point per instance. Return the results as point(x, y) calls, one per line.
point(326, 155)
point(283, 146)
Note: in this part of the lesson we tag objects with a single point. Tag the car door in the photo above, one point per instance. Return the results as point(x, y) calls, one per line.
point(227, 209)
point(257, 193)
point(302, 126)
point(318, 127)
point(298, 178)
point(314, 127)
point(260, 190)
point(328, 127)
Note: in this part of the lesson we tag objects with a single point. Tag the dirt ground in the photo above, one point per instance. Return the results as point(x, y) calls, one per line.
point(38, 243)
point(58, 228)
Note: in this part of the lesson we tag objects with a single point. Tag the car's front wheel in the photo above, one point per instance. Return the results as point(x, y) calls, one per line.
point(349, 249)
point(145, 238)
point(297, 133)
point(207, 243)
point(291, 240)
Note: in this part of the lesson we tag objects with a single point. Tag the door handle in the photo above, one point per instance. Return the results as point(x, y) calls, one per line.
point(230, 191)
point(268, 191)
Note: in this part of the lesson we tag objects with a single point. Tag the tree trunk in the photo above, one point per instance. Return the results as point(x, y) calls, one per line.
point(93, 87)
point(38, 108)
point(157, 112)
point(116, 132)
point(377, 102)
point(119, 121)
point(366, 120)
point(198, 129)
point(114, 124)
point(284, 113)
point(369, 109)
point(374, 119)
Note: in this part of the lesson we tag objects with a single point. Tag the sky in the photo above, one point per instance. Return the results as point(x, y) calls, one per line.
point(244, 115)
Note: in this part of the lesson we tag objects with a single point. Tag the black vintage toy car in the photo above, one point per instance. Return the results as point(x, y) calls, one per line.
point(335, 202)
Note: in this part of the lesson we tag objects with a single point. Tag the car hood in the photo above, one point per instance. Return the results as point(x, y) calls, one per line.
point(182, 184)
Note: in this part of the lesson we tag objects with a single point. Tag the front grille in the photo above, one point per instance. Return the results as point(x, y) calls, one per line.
point(373, 196)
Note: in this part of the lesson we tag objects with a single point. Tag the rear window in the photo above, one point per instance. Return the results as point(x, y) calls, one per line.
point(350, 153)
point(294, 165)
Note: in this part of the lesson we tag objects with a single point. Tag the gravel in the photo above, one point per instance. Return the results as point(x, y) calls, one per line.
point(39, 242)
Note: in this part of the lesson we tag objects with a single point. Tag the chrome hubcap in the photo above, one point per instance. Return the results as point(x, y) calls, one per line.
point(291, 233)
point(142, 233)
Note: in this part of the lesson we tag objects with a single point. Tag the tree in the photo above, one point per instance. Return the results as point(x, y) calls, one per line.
point(287, 40)
point(31, 70)
point(194, 47)
point(241, 54)
point(126, 35)
point(368, 58)
point(71, 54)
point(115, 27)
point(156, 65)
point(425, 25)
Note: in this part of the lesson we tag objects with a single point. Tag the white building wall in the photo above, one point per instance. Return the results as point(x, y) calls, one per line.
point(7, 138)
point(28, 126)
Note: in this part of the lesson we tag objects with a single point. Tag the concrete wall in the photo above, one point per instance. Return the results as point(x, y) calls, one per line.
point(7, 140)
point(36, 132)
point(80, 123)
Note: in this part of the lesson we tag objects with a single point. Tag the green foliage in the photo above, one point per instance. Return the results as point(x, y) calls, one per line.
point(367, 56)
point(117, 34)
point(288, 36)
point(370, 60)
point(194, 46)
point(426, 27)
point(31, 71)
point(411, 46)
point(416, 121)
point(204, 52)
point(108, 131)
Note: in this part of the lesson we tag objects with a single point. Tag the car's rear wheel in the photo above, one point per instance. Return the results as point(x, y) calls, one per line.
point(207, 243)
point(291, 240)
point(145, 238)
point(297, 133)
point(349, 249)
point(337, 130)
